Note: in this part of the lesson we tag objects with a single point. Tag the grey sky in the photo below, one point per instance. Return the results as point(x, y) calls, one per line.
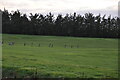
point(62, 6)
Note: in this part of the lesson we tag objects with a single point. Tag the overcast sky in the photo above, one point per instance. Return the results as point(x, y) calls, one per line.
point(62, 6)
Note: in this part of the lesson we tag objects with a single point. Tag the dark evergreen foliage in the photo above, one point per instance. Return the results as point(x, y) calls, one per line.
point(69, 25)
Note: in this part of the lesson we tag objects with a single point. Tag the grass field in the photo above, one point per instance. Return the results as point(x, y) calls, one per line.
point(94, 58)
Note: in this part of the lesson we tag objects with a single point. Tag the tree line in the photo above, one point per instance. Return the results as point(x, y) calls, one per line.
point(68, 25)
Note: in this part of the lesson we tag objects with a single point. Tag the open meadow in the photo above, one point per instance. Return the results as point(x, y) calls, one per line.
point(51, 56)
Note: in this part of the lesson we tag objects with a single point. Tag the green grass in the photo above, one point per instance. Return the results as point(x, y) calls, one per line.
point(95, 58)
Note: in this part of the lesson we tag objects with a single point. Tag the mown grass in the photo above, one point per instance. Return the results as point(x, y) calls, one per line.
point(95, 57)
